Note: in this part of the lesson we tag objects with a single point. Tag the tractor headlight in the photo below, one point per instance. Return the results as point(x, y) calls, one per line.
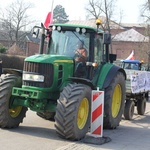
point(33, 77)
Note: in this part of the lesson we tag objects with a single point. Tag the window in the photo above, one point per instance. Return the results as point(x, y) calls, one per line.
point(65, 42)
point(98, 49)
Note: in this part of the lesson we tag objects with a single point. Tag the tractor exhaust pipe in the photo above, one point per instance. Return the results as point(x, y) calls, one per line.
point(41, 48)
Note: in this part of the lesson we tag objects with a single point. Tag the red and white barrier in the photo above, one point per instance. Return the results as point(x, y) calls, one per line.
point(97, 108)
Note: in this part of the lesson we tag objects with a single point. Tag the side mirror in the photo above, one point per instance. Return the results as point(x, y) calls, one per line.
point(112, 57)
point(35, 32)
point(107, 38)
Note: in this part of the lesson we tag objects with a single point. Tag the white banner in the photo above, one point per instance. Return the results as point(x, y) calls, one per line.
point(140, 82)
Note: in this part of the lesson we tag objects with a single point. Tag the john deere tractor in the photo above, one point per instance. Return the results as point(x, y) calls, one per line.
point(58, 87)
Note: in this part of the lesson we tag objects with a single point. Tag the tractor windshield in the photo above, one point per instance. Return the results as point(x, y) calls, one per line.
point(66, 42)
point(132, 66)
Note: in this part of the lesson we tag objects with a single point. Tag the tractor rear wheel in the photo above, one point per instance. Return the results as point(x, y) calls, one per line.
point(9, 117)
point(129, 109)
point(72, 119)
point(114, 102)
point(141, 106)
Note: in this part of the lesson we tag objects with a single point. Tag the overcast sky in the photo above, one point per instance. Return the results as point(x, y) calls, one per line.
point(76, 9)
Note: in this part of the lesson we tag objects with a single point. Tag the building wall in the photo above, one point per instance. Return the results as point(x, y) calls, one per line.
point(116, 31)
point(33, 48)
point(123, 49)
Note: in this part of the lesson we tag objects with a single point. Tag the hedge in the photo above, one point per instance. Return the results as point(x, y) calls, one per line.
point(11, 61)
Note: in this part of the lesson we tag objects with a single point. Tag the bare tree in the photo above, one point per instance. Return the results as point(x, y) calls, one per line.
point(97, 8)
point(100, 8)
point(15, 20)
point(145, 11)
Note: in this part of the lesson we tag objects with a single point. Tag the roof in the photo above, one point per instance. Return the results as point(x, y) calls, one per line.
point(130, 25)
point(131, 61)
point(130, 35)
point(32, 39)
point(92, 23)
point(15, 50)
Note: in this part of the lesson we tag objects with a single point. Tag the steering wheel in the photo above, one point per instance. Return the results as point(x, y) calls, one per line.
point(80, 54)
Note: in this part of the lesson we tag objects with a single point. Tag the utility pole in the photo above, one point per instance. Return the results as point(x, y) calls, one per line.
point(148, 29)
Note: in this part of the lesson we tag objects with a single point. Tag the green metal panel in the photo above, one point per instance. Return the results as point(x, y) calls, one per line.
point(44, 58)
point(28, 93)
point(103, 73)
point(34, 99)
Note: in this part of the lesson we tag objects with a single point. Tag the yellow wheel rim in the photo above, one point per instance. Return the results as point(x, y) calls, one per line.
point(14, 112)
point(83, 113)
point(116, 100)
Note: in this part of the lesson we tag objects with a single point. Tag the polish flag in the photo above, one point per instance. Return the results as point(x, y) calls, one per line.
point(49, 19)
point(131, 56)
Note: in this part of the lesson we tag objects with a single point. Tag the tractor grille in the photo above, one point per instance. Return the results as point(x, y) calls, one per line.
point(39, 68)
point(60, 75)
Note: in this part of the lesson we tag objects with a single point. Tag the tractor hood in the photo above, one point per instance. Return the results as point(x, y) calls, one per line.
point(55, 69)
point(44, 58)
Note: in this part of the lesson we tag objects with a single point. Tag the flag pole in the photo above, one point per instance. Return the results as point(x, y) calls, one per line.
point(52, 5)
point(51, 19)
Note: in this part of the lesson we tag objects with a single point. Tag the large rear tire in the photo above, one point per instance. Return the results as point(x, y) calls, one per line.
point(114, 101)
point(9, 117)
point(72, 119)
point(129, 109)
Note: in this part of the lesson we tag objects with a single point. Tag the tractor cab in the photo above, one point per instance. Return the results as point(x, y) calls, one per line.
point(86, 46)
point(132, 64)
point(82, 44)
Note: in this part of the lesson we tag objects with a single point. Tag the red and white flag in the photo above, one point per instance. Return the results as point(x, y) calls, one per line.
point(131, 56)
point(49, 19)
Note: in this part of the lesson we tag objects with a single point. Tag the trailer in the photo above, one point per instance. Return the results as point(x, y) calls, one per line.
point(137, 88)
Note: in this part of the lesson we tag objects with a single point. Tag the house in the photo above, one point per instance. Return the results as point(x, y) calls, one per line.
point(15, 50)
point(32, 44)
point(124, 42)
point(29, 45)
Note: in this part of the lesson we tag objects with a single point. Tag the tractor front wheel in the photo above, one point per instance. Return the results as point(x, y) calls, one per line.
point(72, 119)
point(10, 117)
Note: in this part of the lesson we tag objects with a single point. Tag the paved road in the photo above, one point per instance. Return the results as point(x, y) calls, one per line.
point(36, 134)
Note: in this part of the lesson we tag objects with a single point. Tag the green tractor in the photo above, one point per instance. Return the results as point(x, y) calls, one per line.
point(58, 87)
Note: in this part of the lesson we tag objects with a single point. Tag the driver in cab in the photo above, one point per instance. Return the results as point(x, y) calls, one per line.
point(81, 52)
